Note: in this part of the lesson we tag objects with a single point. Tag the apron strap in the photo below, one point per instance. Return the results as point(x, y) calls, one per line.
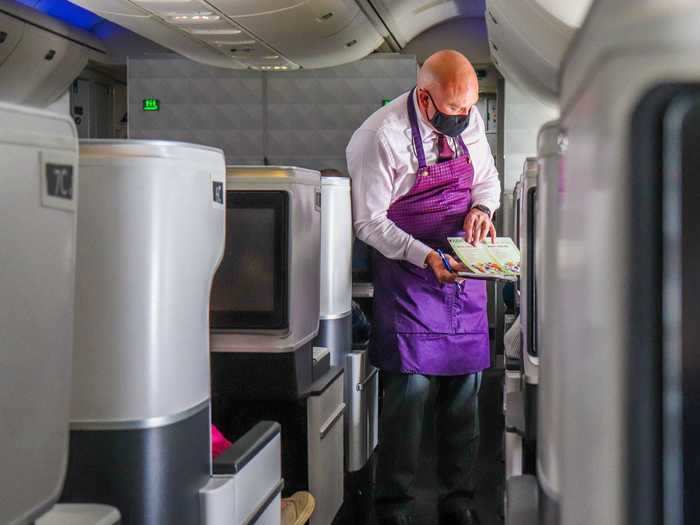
point(415, 132)
point(462, 145)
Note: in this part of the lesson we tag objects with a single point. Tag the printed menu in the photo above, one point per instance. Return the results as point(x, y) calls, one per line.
point(488, 260)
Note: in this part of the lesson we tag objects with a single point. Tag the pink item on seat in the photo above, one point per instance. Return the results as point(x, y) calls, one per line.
point(219, 443)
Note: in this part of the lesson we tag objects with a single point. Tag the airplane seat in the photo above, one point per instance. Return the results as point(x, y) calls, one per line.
point(150, 236)
point(361, 390)
point(551, 143)
point(265, 311)
point(37, 257)
point(513, 357)
point(38, 204)
point(628, 262)
point(521, 410)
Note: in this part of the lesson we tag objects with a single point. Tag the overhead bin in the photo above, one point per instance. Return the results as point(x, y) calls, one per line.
point(628, 265)
point(40, 56)
point(528, 39)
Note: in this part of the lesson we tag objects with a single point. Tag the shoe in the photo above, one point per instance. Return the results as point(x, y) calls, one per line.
point(457, 512)
point(297, 509)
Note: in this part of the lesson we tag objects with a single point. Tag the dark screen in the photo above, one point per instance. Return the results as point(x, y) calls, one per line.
point(250, 289)
point(245, 279)
point(531, 272)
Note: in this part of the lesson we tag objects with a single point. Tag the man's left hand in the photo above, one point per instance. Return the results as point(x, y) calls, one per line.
point(477, 226)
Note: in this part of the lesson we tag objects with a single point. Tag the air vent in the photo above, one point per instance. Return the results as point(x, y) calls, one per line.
point(351, 43)
point(495, 47)
point(50, 55)
point(241, 49)
point(324, 18)
point(493, 18)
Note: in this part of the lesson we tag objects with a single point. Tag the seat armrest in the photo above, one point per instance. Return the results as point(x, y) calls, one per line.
point(245, 449)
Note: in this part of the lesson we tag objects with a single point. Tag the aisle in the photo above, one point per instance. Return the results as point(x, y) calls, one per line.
point(489, 470)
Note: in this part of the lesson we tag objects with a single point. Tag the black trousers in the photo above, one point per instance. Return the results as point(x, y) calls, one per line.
point(457, 430)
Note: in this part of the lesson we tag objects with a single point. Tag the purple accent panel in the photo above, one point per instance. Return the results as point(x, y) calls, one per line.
point(420, 325)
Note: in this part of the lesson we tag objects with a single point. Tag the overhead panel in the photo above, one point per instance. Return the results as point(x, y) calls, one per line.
point(527, 43)
point(39, 55)
point(570, 13)
point(192, 28)
point(406, 19)
point(312, 33)
point(256, 34)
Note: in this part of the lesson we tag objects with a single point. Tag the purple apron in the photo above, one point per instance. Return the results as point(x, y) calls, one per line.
point(422, 326)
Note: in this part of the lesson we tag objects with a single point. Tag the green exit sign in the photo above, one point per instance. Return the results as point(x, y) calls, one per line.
point(151, 104)
point(386, 101)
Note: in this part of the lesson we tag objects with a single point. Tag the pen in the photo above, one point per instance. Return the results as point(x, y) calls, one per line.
point(445, 262)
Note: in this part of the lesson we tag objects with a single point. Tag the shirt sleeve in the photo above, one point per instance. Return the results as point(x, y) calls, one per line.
point(371, 167)
point(486, 188)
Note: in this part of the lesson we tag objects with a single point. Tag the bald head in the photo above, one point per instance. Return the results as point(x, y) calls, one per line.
point(449, 78)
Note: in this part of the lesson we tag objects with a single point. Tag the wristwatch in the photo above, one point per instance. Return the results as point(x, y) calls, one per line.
point(483, 208)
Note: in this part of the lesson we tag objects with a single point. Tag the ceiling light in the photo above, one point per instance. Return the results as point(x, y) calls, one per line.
point(196, 18)
point(233, 42)
point(215, 31)
point(271, 57)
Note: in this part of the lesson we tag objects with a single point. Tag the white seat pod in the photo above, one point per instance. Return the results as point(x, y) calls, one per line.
point(38, 202)
point(265, 301)
point(150, 236)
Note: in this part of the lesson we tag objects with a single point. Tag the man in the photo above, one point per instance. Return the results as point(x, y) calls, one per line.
point(421, 171)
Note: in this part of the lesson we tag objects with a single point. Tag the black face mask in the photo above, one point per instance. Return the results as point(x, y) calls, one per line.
point(450, 125)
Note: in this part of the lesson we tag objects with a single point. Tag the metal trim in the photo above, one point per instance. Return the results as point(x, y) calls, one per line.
point(363, 384)
point(332, 420)
point(263, 506)
point(335, 317)
point(139, 424)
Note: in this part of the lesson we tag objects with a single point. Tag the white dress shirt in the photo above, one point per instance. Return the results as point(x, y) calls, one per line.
point(382, 165)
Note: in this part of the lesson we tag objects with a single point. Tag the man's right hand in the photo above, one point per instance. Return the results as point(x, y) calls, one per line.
point(441, 273)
